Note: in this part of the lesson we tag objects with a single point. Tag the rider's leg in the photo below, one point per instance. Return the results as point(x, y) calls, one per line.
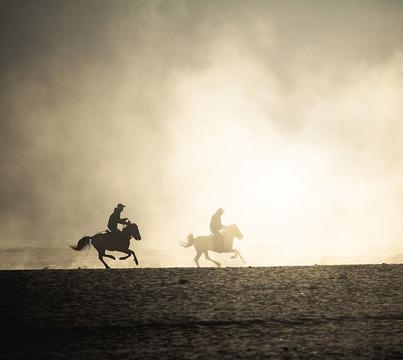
point(219, 241)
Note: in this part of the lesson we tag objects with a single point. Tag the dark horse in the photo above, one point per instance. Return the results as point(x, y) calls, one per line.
point(104, 241)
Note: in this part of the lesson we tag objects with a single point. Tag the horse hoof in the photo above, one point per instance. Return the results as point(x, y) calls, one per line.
point(113, 258)
point(122, 258)
point(218, 265)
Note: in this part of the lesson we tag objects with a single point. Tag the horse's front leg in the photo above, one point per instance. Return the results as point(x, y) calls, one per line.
point(135, 257)
point(234, 252)
point(125, 257)
point(129, 253)
point(237, 253)
point(209, 258)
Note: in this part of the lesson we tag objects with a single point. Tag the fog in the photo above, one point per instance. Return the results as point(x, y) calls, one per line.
point(287, 115)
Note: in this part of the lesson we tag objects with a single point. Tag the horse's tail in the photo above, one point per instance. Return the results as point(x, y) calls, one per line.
point(189, 242)
point(82, 244)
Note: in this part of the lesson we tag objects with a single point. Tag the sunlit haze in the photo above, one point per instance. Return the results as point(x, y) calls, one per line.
point(285, 114)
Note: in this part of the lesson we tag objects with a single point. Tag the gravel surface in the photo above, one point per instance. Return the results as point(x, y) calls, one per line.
point(280, 312)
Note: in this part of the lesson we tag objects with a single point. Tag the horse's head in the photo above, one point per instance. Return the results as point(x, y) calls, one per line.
point(234, 231)
point(133, 230)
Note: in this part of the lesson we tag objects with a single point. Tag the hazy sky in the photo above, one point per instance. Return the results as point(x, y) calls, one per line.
point(286, 114)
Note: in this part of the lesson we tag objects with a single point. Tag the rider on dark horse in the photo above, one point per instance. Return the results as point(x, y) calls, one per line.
point(216, 227)
point(115, 219)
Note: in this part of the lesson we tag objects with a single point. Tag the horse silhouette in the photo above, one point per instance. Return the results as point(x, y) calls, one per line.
point(104, 241)
point(204, 244)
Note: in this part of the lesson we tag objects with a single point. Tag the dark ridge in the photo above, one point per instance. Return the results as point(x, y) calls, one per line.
point(141, 326)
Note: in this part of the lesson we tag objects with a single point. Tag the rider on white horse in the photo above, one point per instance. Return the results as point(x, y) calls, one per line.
point(115, 219)
point(216, 228)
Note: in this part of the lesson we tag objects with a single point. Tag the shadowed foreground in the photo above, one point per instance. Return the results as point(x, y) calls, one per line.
point(289, 312)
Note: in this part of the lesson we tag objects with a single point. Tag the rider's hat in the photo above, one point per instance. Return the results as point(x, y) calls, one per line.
point(120, 206)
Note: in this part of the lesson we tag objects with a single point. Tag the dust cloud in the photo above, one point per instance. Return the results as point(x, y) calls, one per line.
point(286, 115)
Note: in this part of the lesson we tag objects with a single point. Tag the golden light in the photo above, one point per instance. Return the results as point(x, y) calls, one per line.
point(227, 154)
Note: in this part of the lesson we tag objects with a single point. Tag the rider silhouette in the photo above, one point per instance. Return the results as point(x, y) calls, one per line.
point(216, 226)
point(115, 219)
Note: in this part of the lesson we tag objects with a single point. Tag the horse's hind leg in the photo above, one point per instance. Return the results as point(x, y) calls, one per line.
point(109, 256)
point(197, 257)
point(101, 258)
point(209, 258)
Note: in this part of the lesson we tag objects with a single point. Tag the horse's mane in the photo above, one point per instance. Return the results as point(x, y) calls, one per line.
point(133, 230)
point(130, 226)
point(232, 226)
point(233, 229)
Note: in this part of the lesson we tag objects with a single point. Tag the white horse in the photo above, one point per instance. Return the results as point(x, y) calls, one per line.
point(203, 244)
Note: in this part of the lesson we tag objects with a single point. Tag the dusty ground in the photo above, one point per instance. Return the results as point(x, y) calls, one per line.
point(282, 312)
